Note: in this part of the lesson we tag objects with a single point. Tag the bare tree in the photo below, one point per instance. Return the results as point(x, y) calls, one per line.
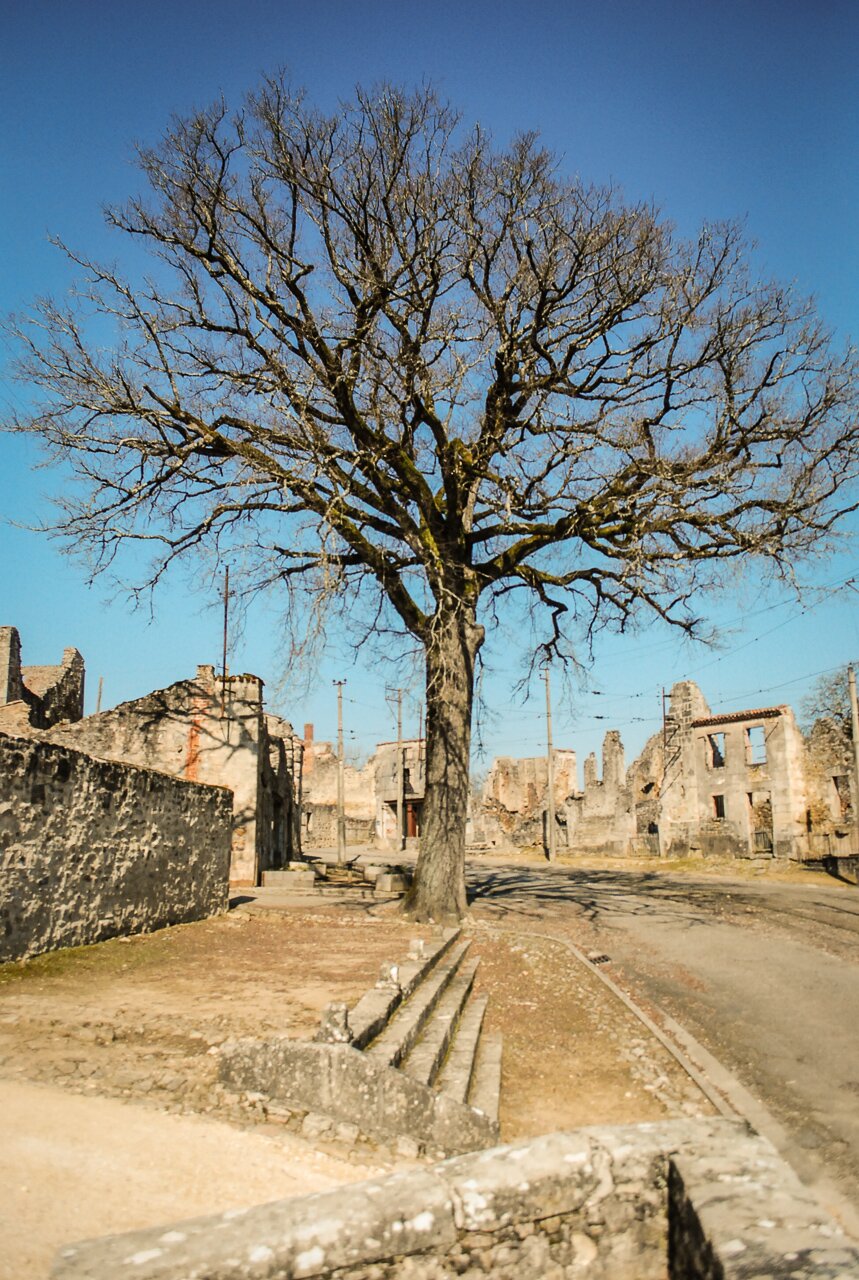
point(385, 355)
point(828, 699)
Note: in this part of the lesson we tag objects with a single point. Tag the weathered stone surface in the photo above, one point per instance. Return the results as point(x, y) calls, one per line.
point(90, 849)
point(390, 883)
point(600, 1203)
point(38, 696)
point(208, 730)
point(374, 1009)
point(345, 1084)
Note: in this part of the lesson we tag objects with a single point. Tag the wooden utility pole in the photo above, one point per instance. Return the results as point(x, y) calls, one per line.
point(400, 777)
point(341, 809)
point(550, 798)
point(854, 713)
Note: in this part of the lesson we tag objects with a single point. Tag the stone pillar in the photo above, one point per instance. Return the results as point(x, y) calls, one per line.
point(11, 687)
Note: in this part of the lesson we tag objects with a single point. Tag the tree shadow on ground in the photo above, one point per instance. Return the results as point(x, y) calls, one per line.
point(596, 895)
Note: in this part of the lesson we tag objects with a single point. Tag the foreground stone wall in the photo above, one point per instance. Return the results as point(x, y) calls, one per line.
point(90, 849)
point(699, 1200)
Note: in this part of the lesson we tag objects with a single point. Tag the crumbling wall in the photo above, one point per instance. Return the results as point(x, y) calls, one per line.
point(601, 818)
point(91, 849)
point(319, 806)
point(205, 731)
point(11, 684)
point(830, 790)
point(40, 696)
point(513, 806)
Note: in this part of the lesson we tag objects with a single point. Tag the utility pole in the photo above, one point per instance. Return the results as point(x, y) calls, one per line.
point(224, 664)
point(400, 779)
point(550, 801)
point(854, 712)
point(341, 812)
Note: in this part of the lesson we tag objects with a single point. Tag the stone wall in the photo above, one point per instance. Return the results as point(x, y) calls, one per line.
point(91, 849)
point(601, 819)
point(697, 1200)
point(740, 784)
point(201, 731)
point(319, 805)
point(513, 806)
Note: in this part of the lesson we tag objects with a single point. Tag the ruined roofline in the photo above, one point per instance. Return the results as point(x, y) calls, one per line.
point(732, 717)
point(205, 671)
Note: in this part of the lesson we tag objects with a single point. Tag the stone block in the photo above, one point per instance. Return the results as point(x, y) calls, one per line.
point(391, 884)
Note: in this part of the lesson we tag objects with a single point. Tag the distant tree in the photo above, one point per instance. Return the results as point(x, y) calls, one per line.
point(828, 699)
point(396, 364)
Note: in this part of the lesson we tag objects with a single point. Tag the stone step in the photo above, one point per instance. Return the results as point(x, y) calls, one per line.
point(374, 1010)
point(402, 1031)
point(455, 1077)
point(485, 1092)
point(426, 1057)
point(294, 880)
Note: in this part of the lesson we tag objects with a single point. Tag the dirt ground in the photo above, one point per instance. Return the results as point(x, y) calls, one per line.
point(113, 1115)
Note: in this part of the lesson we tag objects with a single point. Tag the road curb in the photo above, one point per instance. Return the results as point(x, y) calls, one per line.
point(721, 1088)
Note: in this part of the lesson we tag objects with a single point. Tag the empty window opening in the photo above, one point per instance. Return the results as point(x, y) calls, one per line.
point(718, 806)
point(647, 788)
point(716, 750)
point(756, 744)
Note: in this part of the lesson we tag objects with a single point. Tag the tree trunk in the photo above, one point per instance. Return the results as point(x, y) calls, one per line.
point(438, 892)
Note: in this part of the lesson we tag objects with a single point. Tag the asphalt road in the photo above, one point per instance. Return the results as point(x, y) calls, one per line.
point(764, 975)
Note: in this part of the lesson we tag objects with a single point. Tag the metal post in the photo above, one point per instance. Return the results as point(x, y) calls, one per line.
point(400, 778)
point(854, 712)
point(341, 812)
point(224, 665)
point(550, 800)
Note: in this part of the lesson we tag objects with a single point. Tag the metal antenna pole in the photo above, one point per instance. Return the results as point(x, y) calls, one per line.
point(550, 802)
point(224, 663)
point(341, 811)
point(400, 777)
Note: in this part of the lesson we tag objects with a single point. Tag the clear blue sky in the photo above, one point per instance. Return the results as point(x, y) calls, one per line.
point(724, 108)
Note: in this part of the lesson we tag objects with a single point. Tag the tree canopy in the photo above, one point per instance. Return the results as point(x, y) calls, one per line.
point(387, 355)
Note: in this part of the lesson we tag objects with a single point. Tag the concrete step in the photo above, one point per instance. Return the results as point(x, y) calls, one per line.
point(441, 1030)
point(456, 1074)
point(485, 1092)
point(402, 1032)
point(374, 1010)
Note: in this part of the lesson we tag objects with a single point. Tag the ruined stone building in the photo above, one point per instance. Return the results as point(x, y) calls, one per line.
point(740, 784)
point(319, 796)
point(38, 696)
point(387, 775)
point(369, 791)
point(747, 783)
point(513, 805)
point(206, 730)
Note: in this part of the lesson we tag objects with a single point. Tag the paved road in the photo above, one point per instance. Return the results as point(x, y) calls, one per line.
point(765, 976)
